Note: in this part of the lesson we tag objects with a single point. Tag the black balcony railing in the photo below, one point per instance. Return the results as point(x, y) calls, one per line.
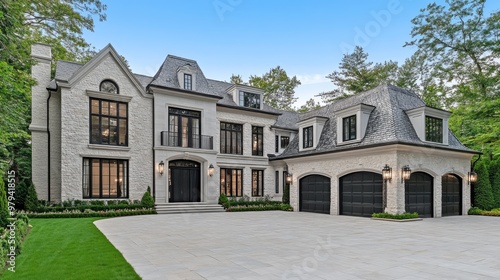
point(176, 139)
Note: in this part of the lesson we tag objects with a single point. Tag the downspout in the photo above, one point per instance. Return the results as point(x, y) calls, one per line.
point(154, 154)
point(48, 146)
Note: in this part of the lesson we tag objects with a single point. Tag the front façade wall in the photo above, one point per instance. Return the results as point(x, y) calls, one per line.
point(75, 132)
point(435, 162)
point(247, 161)
point(163, 99)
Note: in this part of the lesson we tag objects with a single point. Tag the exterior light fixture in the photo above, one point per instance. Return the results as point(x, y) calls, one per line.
point(161, 166)
point(387, 173)
point(405, 173)
point(289, 177)
point(472, 177)
point(211, 170)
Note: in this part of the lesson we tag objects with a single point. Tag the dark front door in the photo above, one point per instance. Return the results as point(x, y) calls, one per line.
point(419, 194)
point(451, 195)
point(361, 194)
point(184, 181)
point(315, 194)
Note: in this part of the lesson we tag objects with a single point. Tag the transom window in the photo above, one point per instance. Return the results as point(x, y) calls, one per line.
point(250, 100)
point(257, 182)
point(231, 181)
point(231, 138)
point(257, 141)
point(188, 81)
point(307, 137)
point(285, 140)
point(108, 86)
point(105, 178)
point(108, 122)
point(349, 128)
point(433, 129)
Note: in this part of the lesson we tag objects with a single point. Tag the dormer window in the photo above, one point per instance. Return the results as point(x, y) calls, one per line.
point(433, 129)
point(250, 100)
point(307, 137)
point(108, 86)
point(349, 128)
point(188, 81)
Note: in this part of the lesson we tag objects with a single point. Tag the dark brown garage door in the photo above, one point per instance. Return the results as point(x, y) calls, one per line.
point(315, 194)
point(452, 195)
point(419, 194)
point(361, 194)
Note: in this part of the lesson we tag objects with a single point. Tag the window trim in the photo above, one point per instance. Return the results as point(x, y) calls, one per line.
point(225, 173)
point(308, 142)
point(100, 115)
point(255, 95)
point(256, 132)
point(188, 82)
point(90, 173)
point(112, 82)
point(238, 143)
point(349, 122)
point(260, 178)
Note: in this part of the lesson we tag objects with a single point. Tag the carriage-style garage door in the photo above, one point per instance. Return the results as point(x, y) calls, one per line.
point(361, 194)
point(315, 194)
point(452, 195)
point(419, 194)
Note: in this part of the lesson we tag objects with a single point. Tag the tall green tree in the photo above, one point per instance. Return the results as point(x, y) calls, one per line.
point(279, 89)
point(356, 74)
point(310, 105)
point(495, 180)
point(483, 194)
point(236, 79)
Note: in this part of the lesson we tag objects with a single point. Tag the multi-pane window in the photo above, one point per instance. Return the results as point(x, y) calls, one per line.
point(188, 81)
point(108, 86)
point(349, 128)
point(184, 128)
point(433, 129)
point(231, 182)
point(276, 143)
point(231, 138)
point(285, 140)
point(307, 137)
point(257, 141)
point(108, 122)
point(251, 100)
point(277, 182)
point(105, 178)
point(257, 182)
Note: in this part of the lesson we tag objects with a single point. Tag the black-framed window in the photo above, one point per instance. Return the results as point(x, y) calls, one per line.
point(433, 129)
point(285, 140)
point(188, 81)
point(349, 128)
point(251, 100)
point(109, 87)
point(276, 143)
point(105, 178)
point(231, 138)
point(257, 182)
point(277, 182)
point(257, 141)
point(307, 137)
point(108, 122)
point(184, 127)
point(231, 181)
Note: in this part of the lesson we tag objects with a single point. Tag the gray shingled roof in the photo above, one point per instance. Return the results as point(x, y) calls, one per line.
point(167, 75)
point(388, 123)
point(66, 69)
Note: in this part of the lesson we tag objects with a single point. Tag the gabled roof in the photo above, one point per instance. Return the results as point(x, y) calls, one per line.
point(387, 124)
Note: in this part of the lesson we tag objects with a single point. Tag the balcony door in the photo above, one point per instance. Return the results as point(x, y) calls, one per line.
point(184, 128)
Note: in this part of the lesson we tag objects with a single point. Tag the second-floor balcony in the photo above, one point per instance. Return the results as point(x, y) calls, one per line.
point(195, 141)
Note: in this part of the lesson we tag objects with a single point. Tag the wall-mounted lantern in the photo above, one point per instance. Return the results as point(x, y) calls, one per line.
point(211, 170)
point(405, 173)
point(472, 177)
point(289, 177)
point(161, 167)
point(387, 173)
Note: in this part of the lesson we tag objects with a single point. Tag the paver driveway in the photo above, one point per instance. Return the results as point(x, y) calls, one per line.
point(286, 245)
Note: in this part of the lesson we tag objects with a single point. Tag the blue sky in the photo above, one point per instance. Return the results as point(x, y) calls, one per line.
point(306, 38)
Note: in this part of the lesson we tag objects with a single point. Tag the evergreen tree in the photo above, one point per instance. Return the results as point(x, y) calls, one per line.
point(495, 181)
point(4, 206)
point(31, 199)
point(483, 194)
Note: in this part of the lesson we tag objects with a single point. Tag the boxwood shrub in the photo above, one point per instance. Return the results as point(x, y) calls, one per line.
point(403, 216)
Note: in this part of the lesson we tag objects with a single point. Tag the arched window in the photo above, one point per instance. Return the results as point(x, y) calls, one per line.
point(108, 86)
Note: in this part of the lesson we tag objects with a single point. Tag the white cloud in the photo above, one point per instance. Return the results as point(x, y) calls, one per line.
point(309, 79)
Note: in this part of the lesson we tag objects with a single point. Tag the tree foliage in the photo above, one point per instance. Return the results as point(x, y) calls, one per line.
point(4, 206)
point(236, 79)
point(483, 194)
point(279, 89)
point(494, 173)
point(310, 105)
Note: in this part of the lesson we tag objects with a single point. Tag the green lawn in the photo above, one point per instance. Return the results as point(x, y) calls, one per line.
point(69, 249)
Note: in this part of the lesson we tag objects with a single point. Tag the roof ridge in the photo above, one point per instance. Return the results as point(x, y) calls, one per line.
point(182, 58)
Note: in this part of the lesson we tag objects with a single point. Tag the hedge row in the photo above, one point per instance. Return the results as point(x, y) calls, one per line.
point(269, 207)
point(403, 216)
point(476, 211)
point(13, 238)
point(45, 209)
point(87, 214)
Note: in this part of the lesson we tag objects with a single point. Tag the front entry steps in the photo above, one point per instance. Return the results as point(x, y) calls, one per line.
point(187, 207)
